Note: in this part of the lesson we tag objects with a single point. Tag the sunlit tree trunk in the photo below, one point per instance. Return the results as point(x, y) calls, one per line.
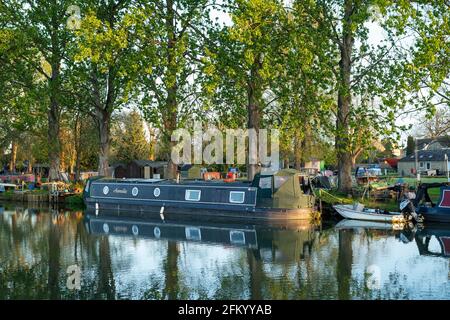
point(104, 130)
point(12, 161)
point(254, 93)
point(344, 102)
point(170, 114)
point(54, 112)
point(298, 151)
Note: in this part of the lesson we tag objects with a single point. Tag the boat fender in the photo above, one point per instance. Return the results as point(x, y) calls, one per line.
point(161, 213)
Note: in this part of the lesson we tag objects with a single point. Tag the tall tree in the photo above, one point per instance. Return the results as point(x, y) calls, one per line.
point(362, 75)
point(240, 63)
point(106, 64)
point(170, 86)
point(43, 23)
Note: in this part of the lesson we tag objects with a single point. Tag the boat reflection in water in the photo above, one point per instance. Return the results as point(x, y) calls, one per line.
point(423, 236)
point(251, 236)
point(132, 257)
point(433, 240)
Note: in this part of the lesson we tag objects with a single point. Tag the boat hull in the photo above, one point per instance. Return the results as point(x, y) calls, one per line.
point(263, 214)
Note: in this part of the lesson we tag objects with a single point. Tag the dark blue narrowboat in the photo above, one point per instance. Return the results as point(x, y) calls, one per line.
point(279, 196)
point(430, 211)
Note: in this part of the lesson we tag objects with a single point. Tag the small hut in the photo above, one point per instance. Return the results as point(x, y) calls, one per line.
point(143, 169)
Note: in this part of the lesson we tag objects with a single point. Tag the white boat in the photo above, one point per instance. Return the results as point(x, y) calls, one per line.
point(358, 212)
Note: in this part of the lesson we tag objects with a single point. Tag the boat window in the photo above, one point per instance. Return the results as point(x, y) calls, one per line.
point(237, 237)
point(192, 195)
point(265, 182)
point(237, 196)
point(279, 181)
point(193, 233)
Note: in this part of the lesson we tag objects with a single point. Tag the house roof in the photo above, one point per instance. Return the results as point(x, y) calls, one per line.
point(444, 141)
point(150, 163)
point(428, 155)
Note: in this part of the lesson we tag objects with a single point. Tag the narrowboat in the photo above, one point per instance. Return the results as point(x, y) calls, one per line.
point(283, 195)
point(430, 211)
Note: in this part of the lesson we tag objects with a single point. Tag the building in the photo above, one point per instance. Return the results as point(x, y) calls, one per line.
point(144, 169)
point(438, 143)
point(427, 160)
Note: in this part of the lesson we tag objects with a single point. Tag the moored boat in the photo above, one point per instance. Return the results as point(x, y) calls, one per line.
point(433, 211)
point(358, 212)
point(283, 195)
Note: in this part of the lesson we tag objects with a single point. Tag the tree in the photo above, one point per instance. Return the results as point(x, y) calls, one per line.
point(240, 63)
point(43, 24)
point(410, 146)
point(438, 125)
point(427, 72)
point(362, 78)
point(106, 64)
point(130, 142)
point(170, 86)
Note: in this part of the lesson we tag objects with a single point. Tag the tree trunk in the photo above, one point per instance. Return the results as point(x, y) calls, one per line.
point(54, 146)
point(254, 117)
point(103, 122)
point(298, 151)
point(286, 162)
point(53, 116)
point(12, 161)
point(170, 121)
point(344, 104)
point(77, 135)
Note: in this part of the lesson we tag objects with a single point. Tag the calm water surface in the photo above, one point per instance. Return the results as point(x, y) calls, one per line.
point(132, 258)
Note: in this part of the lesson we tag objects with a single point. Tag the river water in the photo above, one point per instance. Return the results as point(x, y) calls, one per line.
point(58, 254)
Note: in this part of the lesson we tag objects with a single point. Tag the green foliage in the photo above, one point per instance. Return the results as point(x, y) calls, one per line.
point(129, 138)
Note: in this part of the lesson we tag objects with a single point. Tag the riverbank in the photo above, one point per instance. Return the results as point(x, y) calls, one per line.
point(70, 200)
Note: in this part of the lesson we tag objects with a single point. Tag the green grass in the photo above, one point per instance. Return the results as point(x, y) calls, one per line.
point(75, 202)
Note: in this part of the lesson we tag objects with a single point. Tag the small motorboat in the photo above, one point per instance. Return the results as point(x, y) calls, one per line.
point(359, 212)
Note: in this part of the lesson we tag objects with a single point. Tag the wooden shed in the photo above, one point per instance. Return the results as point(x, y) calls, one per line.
point(144, 169)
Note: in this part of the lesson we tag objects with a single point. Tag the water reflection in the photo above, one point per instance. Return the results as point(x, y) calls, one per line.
point(135, 258)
